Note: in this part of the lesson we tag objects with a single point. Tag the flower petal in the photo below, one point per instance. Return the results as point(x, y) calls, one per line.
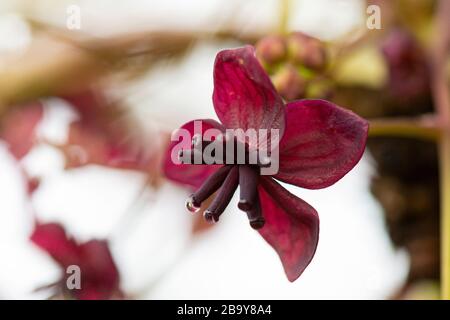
point(244, 97)
point(18, 128)
point(102, 135)
point(52, 238)
point(189, 174)
point(100, 275)
point(321, 144)
point(291, 228)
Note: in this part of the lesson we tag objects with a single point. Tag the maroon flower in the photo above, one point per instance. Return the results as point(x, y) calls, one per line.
point(407, 64)
point(320, 143)
point(99, 276)
point(18, 128)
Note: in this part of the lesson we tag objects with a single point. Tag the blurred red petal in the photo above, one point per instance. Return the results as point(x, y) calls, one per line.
point(89, 144)
point(32, 184)
point(18, 128)
point(52, 238)
point(189, 174)
point(100, 277)
point(89, 103)
point(291, 228)
point(321, 144)
point(103, 136)
point(244, 97)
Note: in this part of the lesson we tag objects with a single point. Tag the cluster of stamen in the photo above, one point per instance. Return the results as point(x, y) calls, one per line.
point(243, 172)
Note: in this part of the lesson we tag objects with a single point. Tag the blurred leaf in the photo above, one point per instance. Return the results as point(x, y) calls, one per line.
point(362, 66)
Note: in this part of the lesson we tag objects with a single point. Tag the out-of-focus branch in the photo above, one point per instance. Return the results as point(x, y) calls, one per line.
point(46, 68)
point(59, 60)
point(143, 41)
point(424, 127)
point(285, 6)
point(441, 97)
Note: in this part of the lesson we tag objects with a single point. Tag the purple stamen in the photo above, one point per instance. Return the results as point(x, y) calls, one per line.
point(224, 196)
point(210, 186)
point(248, 182)
point(227, 178)
point(255, 216)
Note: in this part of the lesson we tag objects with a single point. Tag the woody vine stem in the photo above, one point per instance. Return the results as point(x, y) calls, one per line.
point(442, 103)
point(434, 127)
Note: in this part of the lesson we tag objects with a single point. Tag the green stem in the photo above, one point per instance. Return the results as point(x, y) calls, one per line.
point(421, 128)
point(445, 214)
point(441, 97)
point(284, 16)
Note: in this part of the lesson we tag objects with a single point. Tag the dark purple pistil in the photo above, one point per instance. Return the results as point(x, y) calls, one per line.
point(248, 181)
point(225, 182)
point(223, 196)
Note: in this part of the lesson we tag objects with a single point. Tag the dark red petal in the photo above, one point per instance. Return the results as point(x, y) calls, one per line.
point(100, 277)
point(52, 238)
point(88, 144)
point(18, 128)
point(89, 103)
point(104, 136)
point(291, 228)
point(189, 174)
point(322, 142)
point(244, 97)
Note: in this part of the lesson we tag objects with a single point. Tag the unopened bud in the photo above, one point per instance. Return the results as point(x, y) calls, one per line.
point(289, 83)
point(307, 51)
point(408, 68)
point(319, 89)
point(271, 49)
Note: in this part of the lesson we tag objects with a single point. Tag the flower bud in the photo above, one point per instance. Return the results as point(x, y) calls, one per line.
point(319, 89)
point(408, 69)
point(289, 83)
point(271, 49)
point(306, 50)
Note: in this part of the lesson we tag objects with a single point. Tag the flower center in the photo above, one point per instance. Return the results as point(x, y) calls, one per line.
point(225, 149)
point(225, 181)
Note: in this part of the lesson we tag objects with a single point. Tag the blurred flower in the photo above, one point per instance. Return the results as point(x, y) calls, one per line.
point(32, 184)
point(103, 135)
point(320, 143)
point(294, 62)
point(408, 69)
point(289, 83)
point(99, 275)
point(18, 128)
point(306, 50)
point(271, 49)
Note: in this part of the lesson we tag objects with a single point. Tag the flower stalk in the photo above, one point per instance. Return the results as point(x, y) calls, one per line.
point(424, 127)
point(445, 215)
point(285, 6)
point(442, 104)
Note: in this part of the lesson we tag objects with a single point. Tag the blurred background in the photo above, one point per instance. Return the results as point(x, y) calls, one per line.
point(86, 112)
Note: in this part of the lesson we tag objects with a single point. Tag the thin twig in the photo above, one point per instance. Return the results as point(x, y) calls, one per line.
point(442, 104)
point(285, 6)
point(423, 127)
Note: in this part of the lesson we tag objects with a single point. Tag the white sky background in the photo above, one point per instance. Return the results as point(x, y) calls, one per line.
point(354, 259)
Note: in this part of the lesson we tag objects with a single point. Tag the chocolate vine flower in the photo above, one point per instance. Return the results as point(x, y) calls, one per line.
point(99, 277)
point(320, 143)
point(407, 64)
